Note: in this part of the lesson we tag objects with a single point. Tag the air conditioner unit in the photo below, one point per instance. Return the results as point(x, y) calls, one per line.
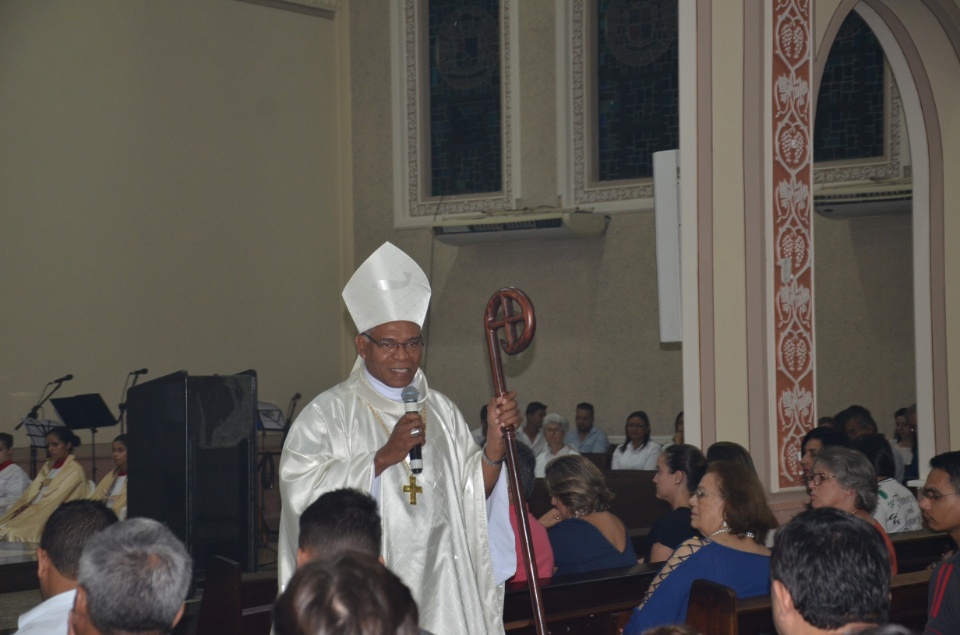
point(863, 198)
point(469, 229)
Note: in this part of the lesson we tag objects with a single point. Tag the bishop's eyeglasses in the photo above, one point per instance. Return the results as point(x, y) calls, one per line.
point(412, 344)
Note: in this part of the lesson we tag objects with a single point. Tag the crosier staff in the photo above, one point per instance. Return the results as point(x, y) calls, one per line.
point(516, 341)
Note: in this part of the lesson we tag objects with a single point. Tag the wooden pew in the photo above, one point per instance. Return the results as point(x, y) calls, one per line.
point(599, 602)
point(715, 609)
point(917, 550)
point(635, 502)
point(234, 602)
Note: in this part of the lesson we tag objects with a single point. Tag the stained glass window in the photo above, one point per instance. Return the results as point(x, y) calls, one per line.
point(850, 108)
point(637, 88)
point(465, 103)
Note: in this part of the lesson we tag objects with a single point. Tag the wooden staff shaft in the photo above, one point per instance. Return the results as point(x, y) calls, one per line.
point(513, 345)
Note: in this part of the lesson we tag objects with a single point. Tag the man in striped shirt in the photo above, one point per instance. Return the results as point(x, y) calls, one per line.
point(940, 505)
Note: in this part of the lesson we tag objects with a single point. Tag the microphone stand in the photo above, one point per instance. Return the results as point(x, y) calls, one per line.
point(290, 409)
point(122, 417)
point(32, 416)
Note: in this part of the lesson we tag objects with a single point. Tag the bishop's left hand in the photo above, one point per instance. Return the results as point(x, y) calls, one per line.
point(502, 411)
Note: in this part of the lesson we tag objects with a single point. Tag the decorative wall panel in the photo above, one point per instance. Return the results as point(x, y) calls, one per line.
point(792, 246)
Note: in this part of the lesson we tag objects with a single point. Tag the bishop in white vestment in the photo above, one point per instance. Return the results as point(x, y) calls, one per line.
point(436, 534)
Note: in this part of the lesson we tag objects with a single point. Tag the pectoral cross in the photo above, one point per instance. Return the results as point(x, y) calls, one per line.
point(413, 489)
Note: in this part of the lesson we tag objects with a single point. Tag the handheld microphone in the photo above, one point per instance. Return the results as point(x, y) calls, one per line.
point(410, 396)
point(60, 380)
point(142, 371)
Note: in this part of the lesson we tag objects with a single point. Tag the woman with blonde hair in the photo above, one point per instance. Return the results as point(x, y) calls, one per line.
point(584, 535)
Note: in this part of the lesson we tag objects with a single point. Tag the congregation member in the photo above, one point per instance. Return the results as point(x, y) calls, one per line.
point(543, 551)
point(897, 508)
point(13, 480)
point(679, 470)
point(584, 535)
point(66, 533)
point(531, 434)
point(731, 452)
point(856, 421)
point(905, 441)
point(61, 479)
point(844, 479)
point(677, 438)
point(830, 574)
point(940, 505)
point(350, 593)
point(339, 521)
point(638, 452)
point(587, 438)
point(134, 578)
point(730, 512)
point(358, 434)
point(555, 429)
point(815, 441)
point(112, 490)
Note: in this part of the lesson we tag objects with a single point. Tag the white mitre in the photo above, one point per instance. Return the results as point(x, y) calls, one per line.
point(388, 287)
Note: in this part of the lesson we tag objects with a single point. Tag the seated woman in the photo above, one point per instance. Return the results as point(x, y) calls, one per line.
point(844, 479)
point(679, 470)
point(555, 428)
point(905, 436)
point(112, 490)
point(60, 479)
point(638, 452)
point(584, 535)
point(13, 480)
point(728, 508)
point(732, 452)
point(538, 533)
point(815, 441)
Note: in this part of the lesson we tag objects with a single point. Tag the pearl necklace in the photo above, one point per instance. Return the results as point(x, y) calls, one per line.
point(723, 530)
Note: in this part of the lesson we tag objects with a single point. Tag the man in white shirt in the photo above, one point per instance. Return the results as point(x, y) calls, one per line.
point(58, 563)
point(532, 433)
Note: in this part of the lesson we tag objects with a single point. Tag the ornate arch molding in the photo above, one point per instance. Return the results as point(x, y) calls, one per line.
point(920, 112)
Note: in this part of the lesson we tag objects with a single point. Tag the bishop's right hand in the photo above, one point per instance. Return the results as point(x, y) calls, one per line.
point(409, 432)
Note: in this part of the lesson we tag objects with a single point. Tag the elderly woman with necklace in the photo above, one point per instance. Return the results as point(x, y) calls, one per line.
point(583, 534)
point(730, 510)
point(844, 479)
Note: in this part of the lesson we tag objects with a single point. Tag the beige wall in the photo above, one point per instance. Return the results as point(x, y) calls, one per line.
point(170, 196)
point(864, 315)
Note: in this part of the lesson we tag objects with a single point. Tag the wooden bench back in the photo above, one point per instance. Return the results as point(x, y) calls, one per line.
point(234, 602)
point(635, 498)
point(715, 609)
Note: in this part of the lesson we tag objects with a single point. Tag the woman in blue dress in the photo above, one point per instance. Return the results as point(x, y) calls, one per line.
point(730, 510)
point(583, 534)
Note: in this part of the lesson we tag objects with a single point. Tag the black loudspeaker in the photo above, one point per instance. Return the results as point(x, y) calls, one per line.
point(192, 447)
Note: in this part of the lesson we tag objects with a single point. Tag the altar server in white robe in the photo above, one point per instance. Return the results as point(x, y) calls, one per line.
point(446, 531)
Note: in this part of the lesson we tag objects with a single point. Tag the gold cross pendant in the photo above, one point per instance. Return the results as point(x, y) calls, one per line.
point(413, 489)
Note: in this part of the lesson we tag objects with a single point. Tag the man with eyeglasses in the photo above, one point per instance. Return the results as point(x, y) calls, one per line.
point(446, 529)
point(940, 506)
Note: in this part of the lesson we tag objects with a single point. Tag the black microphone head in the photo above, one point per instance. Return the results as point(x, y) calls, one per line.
point(296, 396)
point(142, 371)
point(410, 394)
point(67, 377)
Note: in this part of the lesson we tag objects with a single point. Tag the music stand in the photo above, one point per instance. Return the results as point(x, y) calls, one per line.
point(37, 430)
point(85, 412)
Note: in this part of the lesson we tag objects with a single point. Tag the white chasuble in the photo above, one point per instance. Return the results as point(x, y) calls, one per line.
point(439, 546)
